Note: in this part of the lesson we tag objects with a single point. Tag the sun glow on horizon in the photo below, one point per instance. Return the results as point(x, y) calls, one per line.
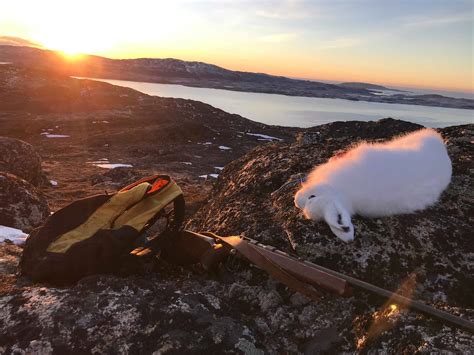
point(73, 41)
point(418, 45)
point(69, 50)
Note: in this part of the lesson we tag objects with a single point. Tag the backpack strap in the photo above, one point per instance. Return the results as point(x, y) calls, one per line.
point(96, 234)
point(134, 206)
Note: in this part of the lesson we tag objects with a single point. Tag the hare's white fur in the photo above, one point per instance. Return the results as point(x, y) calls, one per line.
point(403, 175)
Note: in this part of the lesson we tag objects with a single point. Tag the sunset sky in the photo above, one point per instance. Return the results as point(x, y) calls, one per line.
point(426, 43)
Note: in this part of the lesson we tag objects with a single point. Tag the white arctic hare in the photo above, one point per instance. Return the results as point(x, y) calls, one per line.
point(403, 175)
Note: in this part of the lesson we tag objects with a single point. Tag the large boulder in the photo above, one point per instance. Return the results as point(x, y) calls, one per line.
point(254, 197)
point(22, 206)
point(240, 309)
point(21, 159)
point(117, 177)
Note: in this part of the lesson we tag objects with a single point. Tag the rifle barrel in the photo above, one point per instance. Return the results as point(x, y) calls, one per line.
point(397, 298)
point(407, 302)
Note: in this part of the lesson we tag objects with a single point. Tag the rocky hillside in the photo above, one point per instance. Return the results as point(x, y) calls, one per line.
point(239, 309)
point(170, 70)
point(368, 86)
point(175, 71)
point(254, 197)
point(80, 126)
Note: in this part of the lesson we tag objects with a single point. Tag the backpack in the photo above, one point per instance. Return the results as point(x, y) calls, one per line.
point(99, 234)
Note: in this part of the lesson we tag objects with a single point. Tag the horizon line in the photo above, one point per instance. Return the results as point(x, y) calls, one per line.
point(328, 81)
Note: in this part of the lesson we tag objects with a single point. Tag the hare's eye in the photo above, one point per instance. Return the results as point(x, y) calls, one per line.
point(310, 197)
point(339, 219)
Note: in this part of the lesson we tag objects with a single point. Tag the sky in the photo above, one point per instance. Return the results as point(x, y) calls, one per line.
point(420, 43)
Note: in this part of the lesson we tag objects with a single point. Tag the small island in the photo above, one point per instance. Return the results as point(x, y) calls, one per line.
point(367, 86)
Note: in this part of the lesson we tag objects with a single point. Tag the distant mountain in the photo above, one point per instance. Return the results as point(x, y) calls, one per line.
point(17, 41)
point(198, 74)
point(368, 86)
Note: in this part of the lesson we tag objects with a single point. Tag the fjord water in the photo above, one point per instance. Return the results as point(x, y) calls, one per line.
point(303, 111)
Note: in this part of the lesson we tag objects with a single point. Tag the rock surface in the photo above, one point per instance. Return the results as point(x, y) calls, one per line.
point(254, 197)
point(22, 206)
point(73, 123)
point(21, 159)
point(239, 309)
point(117, 177)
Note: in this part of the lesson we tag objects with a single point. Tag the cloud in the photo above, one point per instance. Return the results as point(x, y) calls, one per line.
point(286, 9)
point(278, 14)
point(17, 41)
point(427, 21)
point(278, 37)
point(320, 44)
point(339, 42)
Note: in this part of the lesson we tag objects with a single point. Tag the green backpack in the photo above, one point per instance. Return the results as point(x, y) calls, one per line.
point(103, 233)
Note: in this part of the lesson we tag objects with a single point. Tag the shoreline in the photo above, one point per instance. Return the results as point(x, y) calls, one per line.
point(398, 99)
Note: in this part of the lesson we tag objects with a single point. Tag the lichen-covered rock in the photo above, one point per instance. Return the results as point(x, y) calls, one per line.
point(254, 197)
point(118, 177)
point(162, 313)
point(21, 159)
point(240, 309)
point(22, 206)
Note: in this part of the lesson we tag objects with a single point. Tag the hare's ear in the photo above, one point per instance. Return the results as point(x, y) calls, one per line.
point(302, 179)
point(339, 220)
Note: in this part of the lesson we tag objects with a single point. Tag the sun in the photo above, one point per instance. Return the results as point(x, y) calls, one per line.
point(72, 56)
point(68, 45)
point(70, 52)
point(74, 41)
point(68, 49)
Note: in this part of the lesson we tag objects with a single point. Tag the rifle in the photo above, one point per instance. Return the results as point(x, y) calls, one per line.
point(302, 276)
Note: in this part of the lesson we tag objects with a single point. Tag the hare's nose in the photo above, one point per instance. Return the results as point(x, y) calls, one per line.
point(346, 229)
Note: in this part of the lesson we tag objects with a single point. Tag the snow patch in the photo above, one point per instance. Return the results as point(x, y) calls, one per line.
point(223, 147)
point(264, 137)
point(99, 161)
point(53, 182)
point(47, 135)
point(205, 176)
point(15, 235)
point(186, 163)
point(113, 166)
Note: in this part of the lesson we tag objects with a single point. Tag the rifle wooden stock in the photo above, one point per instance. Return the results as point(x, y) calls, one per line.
point(297, 269)
point(337, 282)
point(304, 271)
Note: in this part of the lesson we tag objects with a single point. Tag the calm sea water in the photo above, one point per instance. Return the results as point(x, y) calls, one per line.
point(303, 111)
